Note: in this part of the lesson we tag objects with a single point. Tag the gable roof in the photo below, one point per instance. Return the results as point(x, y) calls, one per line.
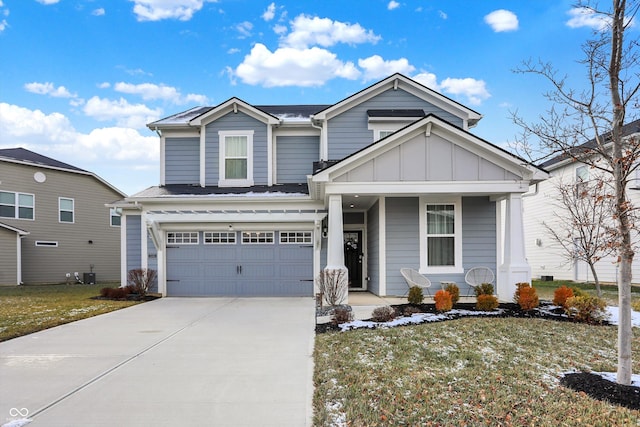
point(395, 81)
point(26, 157)
point(559, 160)
point(14, 229)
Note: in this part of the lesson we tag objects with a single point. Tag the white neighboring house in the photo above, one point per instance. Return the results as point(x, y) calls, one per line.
point(546, 257)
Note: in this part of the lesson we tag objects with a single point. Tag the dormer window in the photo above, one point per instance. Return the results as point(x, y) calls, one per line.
point(385, 122)
point(236, 158)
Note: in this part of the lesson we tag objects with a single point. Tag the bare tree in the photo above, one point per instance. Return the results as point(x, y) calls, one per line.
point(583, 223)
point(599, 111)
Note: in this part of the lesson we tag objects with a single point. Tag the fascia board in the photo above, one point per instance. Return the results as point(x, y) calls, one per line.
point(405, 188)
point(14, 229)
point(234, 104)
point(232, 217)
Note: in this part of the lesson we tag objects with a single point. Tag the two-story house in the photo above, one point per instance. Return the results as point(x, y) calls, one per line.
point(256, 200)
point(54, 222)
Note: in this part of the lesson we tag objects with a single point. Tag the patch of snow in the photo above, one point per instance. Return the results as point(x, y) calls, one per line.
point(17, 423)
point(415, 319)
point(614, 317)
point(611, 376)
point(248, 194)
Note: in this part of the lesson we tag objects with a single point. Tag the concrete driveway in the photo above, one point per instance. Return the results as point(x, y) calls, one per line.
point(170, 362)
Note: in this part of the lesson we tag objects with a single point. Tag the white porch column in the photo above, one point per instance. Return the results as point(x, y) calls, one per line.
point(335, 244)
point(515, 268)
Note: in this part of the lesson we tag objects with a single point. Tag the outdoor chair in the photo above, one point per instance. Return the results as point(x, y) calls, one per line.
point(413, 278)
point(477, 276)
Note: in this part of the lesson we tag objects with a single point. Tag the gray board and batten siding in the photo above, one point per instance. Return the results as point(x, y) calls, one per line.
point(236, 122)
point(295, 156)
point(348, 132)
point(373, 248)
point(134, 246)
point(182, 160)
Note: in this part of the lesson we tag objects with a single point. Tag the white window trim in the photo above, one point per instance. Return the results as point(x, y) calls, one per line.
point(115, 212)
point(182, 233)
point(272, 242)
point(457, 268)
point(17, 206)
point(222, 182)
point(230, 235)
point(291, 237)
point(73, 210)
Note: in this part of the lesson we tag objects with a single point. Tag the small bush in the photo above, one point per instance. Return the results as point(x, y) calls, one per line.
point(526, 296)
point(415, 295)
point(141, 279)
point(104, 292)
point(443, 300)
point(341, 315)
point(560, 296)
point(635, 305)
point(114, 293)
point(454, 290)
point(587, 309)
point(487, 302)
point(409, 311)
point(130, 289)
point(577, 292)
point(383, 314)
point(483, 289)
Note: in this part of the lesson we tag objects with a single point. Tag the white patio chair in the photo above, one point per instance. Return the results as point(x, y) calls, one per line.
point(477, 276)
point(413, 278)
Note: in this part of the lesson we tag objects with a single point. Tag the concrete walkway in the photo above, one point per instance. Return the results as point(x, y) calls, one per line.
point(170, 362)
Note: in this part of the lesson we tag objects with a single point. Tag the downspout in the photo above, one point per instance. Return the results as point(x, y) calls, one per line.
point(324, 149)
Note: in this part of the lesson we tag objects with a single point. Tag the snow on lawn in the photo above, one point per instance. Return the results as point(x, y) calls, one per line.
point(614, 317)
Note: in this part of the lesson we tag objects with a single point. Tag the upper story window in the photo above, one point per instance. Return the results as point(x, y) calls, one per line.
point(582, 174)
point(441, 243)
point(16, 205)
point(115, 217)
point(236, 158)
point(66, 210)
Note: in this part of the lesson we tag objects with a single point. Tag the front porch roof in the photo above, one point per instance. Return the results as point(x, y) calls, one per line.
point(187, 190)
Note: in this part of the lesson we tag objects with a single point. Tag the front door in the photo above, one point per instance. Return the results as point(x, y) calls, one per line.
point(353, 254)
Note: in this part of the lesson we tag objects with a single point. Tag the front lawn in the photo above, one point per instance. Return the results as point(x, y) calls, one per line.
point(467, 372)
point(609, 290)
point(27, 309)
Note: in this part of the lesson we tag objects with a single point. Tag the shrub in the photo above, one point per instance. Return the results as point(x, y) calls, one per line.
point(117, 293)
point(383, 314)
point(487, 302)
point(454, 290)
point(577, 292)
point(341, 315)
point(105, 292)
point(587, 309)
point(141, 279)
point(415, 295)
point(443, 300)
point(333, 285)
point(483, 289)
point(130, 289)
point(409, 311)
point(560, 296)
point(635, 305)
point(526, 296)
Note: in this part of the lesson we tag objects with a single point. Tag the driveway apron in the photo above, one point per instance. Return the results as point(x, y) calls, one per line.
point(173, 361)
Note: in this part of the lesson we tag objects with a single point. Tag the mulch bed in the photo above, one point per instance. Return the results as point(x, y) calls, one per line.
point(593, 385)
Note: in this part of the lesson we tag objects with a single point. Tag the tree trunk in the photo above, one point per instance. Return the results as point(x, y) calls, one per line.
point(595, 279)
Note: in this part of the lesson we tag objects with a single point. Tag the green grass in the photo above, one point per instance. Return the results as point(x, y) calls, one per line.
point(609, 291)
point(467, 372)
point(27, 309)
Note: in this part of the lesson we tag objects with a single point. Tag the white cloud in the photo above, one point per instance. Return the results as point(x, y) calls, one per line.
point(124, 114)
point(279, 29)
point(586, 17)
point(98, 12)
point(375, 67)
point(157, 10)
point(502, 20)
point(474, 90)
point(151, 91)
point(244, 28)
point(292, 67)
point(427, 79)
point(442, 14)
point(3, 25)
point(48, 89)
point(393, 5)
point(47, 2)
point(308, 31)
point(270, 13)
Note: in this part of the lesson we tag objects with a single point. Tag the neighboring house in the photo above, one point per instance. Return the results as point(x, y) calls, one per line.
point(256, 200)
point(545, 255)
point(53, 221)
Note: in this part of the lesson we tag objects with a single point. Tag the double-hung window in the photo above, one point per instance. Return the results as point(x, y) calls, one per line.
point(236, 158)
point(441, 231)
point(115, 216)
point(66, 210)
point(16, 205)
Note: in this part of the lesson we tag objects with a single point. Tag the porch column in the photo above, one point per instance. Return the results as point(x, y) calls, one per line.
point(335, 244)
point(515, 268)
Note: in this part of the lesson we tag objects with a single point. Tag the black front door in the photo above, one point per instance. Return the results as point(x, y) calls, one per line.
point(353, 253)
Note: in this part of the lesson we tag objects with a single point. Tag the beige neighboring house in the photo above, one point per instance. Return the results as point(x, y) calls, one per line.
point(540, 205)
point(53, 221)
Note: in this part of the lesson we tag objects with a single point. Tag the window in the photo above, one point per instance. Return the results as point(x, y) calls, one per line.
point(65, 209)
point(291, 237)
point(441, 246)
point(264, 237)
point(219, 237)
point(16, 205)
point(383, 133)
point(115, 217)
point(183, 238)
point(582, 179)
point(236, 158)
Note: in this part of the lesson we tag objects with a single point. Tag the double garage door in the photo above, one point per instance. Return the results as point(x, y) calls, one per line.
point(269, 263)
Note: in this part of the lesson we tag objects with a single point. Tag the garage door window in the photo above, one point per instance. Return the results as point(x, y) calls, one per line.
point(183, 238)
point(219, 237)
point(292, 237)
point(260, 237)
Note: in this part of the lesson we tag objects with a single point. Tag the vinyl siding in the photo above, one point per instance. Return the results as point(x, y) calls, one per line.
point(92, 223)
point(239, 122)
point(478, 237)
point(8, 257)
point(182, 160)
point(295, 156)
point(348, 131)
point(373, 249)
point(134, 246)
point(402, 242)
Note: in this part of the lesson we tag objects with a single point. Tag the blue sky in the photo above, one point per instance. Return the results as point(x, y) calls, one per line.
point(79, 79)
